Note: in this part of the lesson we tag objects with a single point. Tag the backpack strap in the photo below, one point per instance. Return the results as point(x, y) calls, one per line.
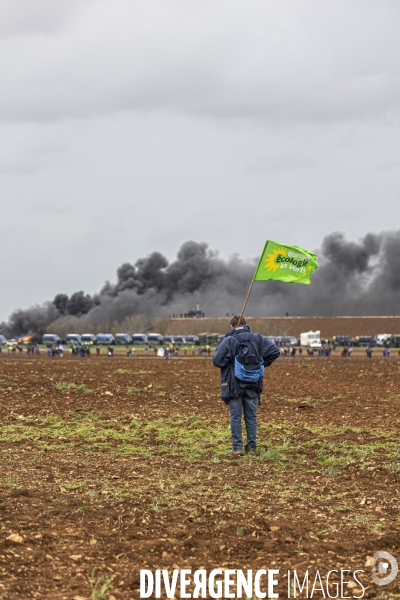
point(250, 338)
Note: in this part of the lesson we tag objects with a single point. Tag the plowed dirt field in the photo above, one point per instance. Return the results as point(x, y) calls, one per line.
point(112, 465)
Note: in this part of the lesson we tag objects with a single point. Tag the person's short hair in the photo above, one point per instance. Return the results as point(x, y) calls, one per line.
point(235, 320)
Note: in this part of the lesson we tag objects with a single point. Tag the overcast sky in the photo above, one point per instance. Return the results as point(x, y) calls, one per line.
point(131, 126)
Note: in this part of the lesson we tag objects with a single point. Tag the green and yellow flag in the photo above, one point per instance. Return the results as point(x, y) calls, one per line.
point(285, 263)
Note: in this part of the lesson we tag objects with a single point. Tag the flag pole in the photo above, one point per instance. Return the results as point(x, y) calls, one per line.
point(245, 302)
point(251, 285)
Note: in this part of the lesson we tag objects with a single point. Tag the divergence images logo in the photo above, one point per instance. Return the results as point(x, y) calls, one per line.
point(383, 568)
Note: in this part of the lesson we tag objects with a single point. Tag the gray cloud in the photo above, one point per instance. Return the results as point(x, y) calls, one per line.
point(127, 126)
point(273, 62)
point(18, 17)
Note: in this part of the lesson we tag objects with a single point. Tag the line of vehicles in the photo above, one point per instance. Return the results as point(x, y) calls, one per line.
point(387, 340)
point(157, 339)
point(107, 339)
point(310, 339)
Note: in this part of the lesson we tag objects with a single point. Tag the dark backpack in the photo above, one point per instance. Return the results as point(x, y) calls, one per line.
point(249, 365)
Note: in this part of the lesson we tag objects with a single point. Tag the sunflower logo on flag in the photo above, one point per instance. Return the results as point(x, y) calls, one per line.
point(270, 263)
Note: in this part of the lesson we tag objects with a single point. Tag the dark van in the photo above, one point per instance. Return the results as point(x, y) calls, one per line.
point(73, 338)
point(88, 338)
point(105, 338)
point(122, 338)
point(50, 338)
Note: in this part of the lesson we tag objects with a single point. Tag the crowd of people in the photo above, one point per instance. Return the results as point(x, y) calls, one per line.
point(294, 350)
point(84, 350)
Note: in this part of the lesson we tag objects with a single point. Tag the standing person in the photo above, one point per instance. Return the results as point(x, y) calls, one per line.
point(243, 396)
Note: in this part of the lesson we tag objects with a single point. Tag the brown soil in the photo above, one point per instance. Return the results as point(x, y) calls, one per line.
point(321, 494)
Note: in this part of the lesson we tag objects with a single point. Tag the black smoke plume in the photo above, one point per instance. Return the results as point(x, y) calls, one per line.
point(354, 278)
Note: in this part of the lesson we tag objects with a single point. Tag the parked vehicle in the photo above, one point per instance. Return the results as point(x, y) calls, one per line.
point(139, 338)
point(382, 338)
point(122, 338)
point(192, 339)
point(73, 338)
point(88, 338)
point(155, 338)
point(283, 340)
point(105, 338)
point(50, 338)
point(209, 339)
point(394, 341)
point(344, 340)
point(364, 340)
point(185, 340)
point(3, 340)
point(195, 314)
point(311, 339)
point(169, 339)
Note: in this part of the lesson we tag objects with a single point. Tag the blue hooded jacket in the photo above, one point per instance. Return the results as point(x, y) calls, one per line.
point(224, 359)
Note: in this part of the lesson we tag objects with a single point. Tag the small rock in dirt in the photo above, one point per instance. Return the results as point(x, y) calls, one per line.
point(63, 490)
point(274, 528)
point(351, 585)
point(289, 540)
point(16, 538)
point(79, 598)
point(363, 501)
point(93, 542)
point(369, 561)
point(108, 393)
point(76, 556)
point(303, 405)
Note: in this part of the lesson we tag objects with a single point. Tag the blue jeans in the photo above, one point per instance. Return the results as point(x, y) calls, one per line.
point(247, 401)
